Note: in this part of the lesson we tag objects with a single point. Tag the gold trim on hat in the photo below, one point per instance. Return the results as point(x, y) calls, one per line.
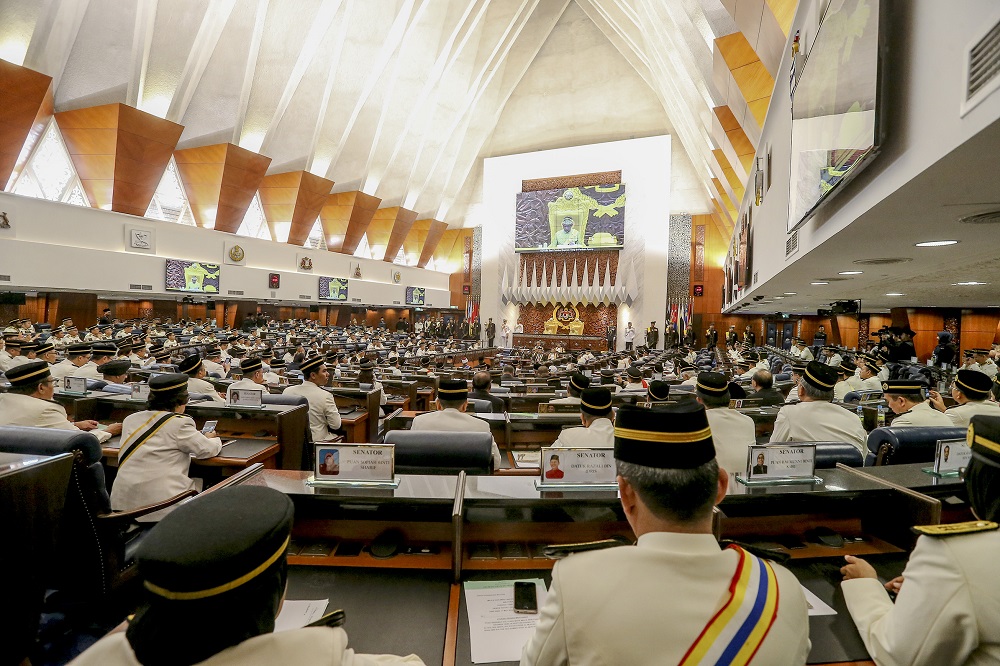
point(712, 389)
point(664, 437)
point(29, 375)
point(982, 441)
point(461, 390)
point(821, 383)
point(171, 387)
point(218, 589)
point(959, 382)
point(587, 404)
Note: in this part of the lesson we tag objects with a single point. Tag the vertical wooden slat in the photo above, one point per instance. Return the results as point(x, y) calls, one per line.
point(400, 228)
point(345, 218)
point(295, 198)
point(24, 113)
point(220, 182)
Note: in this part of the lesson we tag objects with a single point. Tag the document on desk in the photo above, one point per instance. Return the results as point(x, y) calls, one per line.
point(523, 459)
point(815, 605)
point(297, 614)
point(498, 633)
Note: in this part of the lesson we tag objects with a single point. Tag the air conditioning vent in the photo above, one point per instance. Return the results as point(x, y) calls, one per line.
point(982, 67)
point(147, 287)
point(305, 297)
point(882, 261)
point(792, 244)
point(993, 217)
point(234, 292)
point(355, 300)
point(755, 277)
point(141, 287)
point(395, 302)
point(4, 278)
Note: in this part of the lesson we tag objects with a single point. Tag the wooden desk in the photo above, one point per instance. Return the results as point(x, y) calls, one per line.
point(360, 424)
point(568, 342)
point(236, 456)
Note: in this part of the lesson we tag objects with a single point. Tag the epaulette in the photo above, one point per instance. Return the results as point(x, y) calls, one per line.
point(953, 529)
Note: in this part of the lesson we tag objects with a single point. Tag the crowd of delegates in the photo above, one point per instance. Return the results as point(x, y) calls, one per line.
point(668, 499)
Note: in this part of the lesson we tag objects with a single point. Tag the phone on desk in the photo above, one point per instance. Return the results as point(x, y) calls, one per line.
point(209, 426)
point(525, 597)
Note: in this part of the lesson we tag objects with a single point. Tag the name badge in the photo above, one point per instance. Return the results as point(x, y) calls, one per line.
point(781, 463)
point(558, 408)
point(355, 465)
point(580, 468)
point(246, 397)
point(950, 456)
point(75, 385)
point(140, 392)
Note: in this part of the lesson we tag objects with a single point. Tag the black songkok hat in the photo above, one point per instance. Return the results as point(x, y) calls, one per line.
point(673, 436)
point(79, 349)
point(973, 383)
point(168, 384)
point(105, 349)
point(115, 368)
point(251, 365)
point(658, 391)
point(28, 373)
point(712, 385)
point(984, 438)
point(310, 365)
point(910, 387)
point(634, 372)
point(596, 401)
point(44, 348)
point(277, 364)
point(189, 364)
point(579, 381)
point(28, 346)
point(453, 389)
point(820, 376)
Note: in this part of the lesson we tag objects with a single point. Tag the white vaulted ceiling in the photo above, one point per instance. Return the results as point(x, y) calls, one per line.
point(398, 98)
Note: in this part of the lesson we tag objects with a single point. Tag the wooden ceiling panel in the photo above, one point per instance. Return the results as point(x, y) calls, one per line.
point(380, 229)
point(345, 218)
point(726, 118)
point(736, 50)
point(754, 81)
point(400, 228)
point(434, 234)
point(295, 198)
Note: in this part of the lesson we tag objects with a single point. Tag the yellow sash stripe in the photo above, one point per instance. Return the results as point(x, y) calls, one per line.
point(732, 607)
point(756, 636)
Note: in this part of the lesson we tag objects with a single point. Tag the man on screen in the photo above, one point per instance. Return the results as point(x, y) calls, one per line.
point(568, 235)
point(554, 472)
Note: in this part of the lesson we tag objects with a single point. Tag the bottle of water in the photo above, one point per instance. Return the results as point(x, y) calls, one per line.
point(881, 416)
point(861, 413)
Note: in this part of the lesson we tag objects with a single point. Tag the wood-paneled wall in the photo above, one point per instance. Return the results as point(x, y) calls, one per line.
point(978, 328)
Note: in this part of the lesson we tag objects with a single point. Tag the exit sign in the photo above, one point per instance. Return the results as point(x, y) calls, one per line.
point(699, 290)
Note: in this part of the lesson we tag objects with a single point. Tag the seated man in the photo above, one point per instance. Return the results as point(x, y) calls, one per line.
point(366, 375)
point(669, 482)
point(102, 353)
point(481, 391)
point(77, 356)
point(815, 418)
point(845, 372)
point(657, 393)
point(275, 374)
point(971, 390)
point(115, 373)
point(27, 355)
point(452, 401)
point(215, 572)
point(870, 380)
point(29, 403)
point(598, 431)
point(762, 382)
point(253, 377)
point(578, 383)
point(323, 414)
point(732, 432)
point(634, 379)
point(194, 368)
point(906, 399)
point(567, 236)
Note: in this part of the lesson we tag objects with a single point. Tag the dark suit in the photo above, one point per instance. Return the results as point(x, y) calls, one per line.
point(491, 333)
point(770, 396)
point(498, 403)
point(612, 337)
point(760, 469)
point(652, 337)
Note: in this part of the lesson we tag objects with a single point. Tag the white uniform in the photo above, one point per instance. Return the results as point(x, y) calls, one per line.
point(805, 354)
point(323, 414)
point(600, 435)
point(88, 370)
point(870, 384)
point(989, 368)
point(883, 374)
point(732, 434)
point(213, 367)
point(947, 611)
point(819, 421)
point(921, 414)
point(835, 360)
point(24, 410)
point(568, 400)
point(452, 420)
point(841, 389)
point(630, 593)
point(196, 385)
point(19, 360)
point(311, 645)
point(960, 414)
point(5, 359)
point(505, 336)
point(158, 469)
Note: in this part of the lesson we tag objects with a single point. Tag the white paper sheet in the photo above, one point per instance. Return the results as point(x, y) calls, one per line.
point(497, 632)
point(524, 459)
point(815, 604)
point(297, 614)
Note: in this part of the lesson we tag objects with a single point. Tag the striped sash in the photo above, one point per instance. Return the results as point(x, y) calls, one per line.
point(141, 435)
point(733, 636)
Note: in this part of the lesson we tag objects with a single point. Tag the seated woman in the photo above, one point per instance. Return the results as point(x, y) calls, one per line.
point(947, 608)
point(156, 449)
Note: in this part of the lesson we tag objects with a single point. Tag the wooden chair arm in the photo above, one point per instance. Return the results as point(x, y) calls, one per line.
point(126, 517)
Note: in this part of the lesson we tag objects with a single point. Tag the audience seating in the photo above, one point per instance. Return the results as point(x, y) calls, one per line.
point(434, 452)
point(902, 445)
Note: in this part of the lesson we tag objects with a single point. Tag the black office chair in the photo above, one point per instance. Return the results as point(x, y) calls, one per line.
point(94, 545)
point(904, 444)
point(481, 406)
point(434, 452)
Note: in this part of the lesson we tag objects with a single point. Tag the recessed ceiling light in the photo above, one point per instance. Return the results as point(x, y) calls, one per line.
point(850, 272)
point(819, 283)
point(967, 284)
point(790, 293)
point(938, 243)
point(895, 294)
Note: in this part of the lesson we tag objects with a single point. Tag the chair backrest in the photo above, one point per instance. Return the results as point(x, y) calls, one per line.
point(906, 444)
point(88, 561)
point(481, 406)
point(828, 454)
point(433, 452)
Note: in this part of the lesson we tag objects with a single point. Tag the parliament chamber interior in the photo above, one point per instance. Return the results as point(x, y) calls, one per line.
point(465, 332)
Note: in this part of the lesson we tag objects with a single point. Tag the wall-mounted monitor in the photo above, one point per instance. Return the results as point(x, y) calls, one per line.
point(194, 276)
point(415, 295)
point(836, 117)
point(332, 289)
point(571, 218)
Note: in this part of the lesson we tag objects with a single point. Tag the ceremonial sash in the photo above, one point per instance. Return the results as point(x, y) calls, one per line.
point(734, 634)
point(137, 441)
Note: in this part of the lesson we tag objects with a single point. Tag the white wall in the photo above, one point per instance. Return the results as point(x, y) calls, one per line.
point(645, 166)
point(58, 246)
point(925, 91)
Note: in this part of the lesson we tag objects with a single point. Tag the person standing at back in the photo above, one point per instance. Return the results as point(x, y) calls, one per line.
point(620, 605)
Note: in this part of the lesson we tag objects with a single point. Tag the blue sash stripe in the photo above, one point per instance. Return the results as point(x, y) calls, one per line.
point(752, 619)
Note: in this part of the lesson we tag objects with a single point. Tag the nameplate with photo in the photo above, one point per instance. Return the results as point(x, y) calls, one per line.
point(360, 465)
point(558, 408)
point(140, 392)
point(77, 385)
point(246, 397)
point(780, 463)
point(566, 468)
point(950, 456)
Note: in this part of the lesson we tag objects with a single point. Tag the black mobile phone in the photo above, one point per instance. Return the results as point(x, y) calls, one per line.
point(525, 598)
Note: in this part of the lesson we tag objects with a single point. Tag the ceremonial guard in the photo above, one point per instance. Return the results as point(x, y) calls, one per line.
point(629, 337)
point(652, 335)
point(491, 332)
